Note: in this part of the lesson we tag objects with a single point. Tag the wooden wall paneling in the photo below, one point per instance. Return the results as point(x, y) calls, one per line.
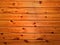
point(29, 22)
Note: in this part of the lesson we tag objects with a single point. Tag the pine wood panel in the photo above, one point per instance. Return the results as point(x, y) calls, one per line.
point(31, 4)
point(30, 22)
point(29, 17)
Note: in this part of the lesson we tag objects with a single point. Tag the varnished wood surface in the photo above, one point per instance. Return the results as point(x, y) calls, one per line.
point(29, 22)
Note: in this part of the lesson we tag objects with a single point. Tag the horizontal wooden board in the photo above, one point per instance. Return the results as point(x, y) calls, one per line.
point(29, 17)
point(28, 0)
point(39, 30)
point(30, 43)
point(31, 4)
point(26, 10)
point(29, 23)
point(12, 36)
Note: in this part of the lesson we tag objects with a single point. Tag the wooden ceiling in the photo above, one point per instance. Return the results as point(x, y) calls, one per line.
point(29, 22)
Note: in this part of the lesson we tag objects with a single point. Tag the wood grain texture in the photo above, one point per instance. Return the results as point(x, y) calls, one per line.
point(29, 22)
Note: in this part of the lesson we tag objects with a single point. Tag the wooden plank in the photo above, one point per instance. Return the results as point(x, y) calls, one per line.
point(26, 0)
point(39, 30)
point(13, 36)
point(26, 10)
point(29, 23)
point(30, 4)
point(29, 17)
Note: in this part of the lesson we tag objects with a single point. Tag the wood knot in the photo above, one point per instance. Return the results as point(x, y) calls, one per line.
point(40, 2)
point(26, 41)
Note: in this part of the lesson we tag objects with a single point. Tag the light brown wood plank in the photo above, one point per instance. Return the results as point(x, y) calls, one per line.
point(39, 30)
point(31, 4)
point(27, 17)
point(29, 23)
